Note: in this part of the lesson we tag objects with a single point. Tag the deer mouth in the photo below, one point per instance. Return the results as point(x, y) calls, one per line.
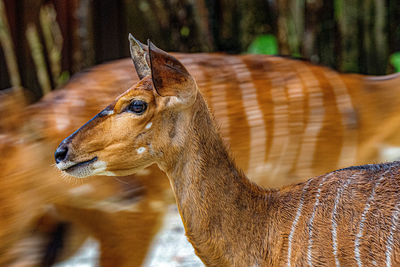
point(80, 169)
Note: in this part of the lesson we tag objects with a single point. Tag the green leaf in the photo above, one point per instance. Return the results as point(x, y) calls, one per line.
point(395, 61)
point(264, 44)
point(185, 31)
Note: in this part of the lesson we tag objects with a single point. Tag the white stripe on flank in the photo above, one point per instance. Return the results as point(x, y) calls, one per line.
point(196, 70)
point(311, 221)
point(216, 96)
point(389, 242)
point(295, 221)
point(254, 115)
point(333, 219)
point(363, 218)
point(314, 123)
point(280, 136)
point(296, 113)
point(345, 106)
point(219, 104)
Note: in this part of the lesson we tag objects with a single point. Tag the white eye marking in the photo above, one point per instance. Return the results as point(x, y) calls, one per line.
point(107, 112)
point(140, 150)
point(148, 126)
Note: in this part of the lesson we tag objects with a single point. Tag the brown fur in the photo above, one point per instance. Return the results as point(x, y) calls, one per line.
point(62, 111)
point(229, 220)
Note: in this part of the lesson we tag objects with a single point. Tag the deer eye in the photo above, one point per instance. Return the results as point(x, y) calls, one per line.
point(137, 106)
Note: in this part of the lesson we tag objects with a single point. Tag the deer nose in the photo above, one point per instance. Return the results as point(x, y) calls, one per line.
point(61, 153)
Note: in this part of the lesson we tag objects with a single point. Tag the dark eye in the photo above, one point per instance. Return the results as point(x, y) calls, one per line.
point(137, 106)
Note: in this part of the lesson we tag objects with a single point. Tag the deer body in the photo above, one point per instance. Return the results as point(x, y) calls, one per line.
point(229, 220)
point(348, 217)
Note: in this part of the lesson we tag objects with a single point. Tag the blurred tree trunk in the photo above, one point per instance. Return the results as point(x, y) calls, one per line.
point(227, 25)
point(375, 48)
point(312, 29)
point(255, 18)
point(326, 42)
point(283, 31)
point(350, 35)
point(393, 31)
point(203, 24)
point(347, 17)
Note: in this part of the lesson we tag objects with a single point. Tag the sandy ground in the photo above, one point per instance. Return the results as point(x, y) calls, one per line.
point(170, 249)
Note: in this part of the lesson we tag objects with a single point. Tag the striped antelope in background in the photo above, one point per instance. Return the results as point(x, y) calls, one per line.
point(360, 114)
point(345, 217)
point(360, 120)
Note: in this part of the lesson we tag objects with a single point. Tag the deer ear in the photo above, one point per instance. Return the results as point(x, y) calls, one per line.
point(139, 55)
point(170, 77)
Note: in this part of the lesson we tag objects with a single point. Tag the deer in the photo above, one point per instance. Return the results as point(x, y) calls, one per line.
point(346, 217)
point(360, 116)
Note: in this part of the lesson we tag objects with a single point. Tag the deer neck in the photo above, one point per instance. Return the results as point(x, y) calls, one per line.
point(217, 203)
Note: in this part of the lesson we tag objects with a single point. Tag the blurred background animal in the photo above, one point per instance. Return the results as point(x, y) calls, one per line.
point(303, 118)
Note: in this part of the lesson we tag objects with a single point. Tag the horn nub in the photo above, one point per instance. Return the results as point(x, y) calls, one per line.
point(138, 55)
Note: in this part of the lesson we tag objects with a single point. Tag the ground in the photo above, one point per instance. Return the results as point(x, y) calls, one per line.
point(170, 248)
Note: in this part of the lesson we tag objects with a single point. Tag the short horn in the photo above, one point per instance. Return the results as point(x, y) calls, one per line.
point(138, 55)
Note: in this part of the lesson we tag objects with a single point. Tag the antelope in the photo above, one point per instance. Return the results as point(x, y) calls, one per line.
point(263, 107)
point(346, 217)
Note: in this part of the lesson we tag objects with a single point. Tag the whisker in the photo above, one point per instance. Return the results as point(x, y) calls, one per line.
point(121, 181)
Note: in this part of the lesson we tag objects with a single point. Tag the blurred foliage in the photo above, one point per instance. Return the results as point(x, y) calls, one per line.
point(8, 48)
point(395, 61)
point(347, 35)
point(264, 44)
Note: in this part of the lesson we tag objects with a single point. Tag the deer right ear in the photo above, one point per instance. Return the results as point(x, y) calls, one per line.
point(170, 77)
point(139, 55)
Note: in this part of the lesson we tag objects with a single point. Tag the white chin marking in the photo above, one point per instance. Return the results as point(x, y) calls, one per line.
point(100, 168)
point(140, 150)
point(148, 126)
point(97, 167)
point(64, 165)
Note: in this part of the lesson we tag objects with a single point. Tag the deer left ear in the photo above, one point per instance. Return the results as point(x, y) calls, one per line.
point(139, 57)
point(170, 77)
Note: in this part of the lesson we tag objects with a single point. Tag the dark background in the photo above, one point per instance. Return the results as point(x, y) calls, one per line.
point(348, 35)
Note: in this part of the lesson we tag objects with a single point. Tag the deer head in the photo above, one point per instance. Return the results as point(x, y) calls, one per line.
point(141, 127)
